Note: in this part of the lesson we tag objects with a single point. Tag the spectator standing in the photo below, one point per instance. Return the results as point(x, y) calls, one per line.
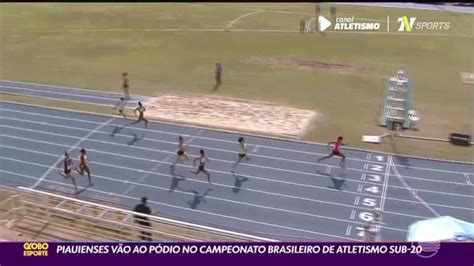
point(125, 86)
point(218, 75)
point(143, 221)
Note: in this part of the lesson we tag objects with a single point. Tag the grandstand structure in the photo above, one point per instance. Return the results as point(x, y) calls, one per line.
point(42, 215)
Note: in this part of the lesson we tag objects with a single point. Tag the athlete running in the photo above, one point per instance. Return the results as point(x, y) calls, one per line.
point(372, 227)
point(141, 109)
point(242, 154)
point(202, 163)
point(67, 169)
point(83, 166)
point(182, 156)
point(335, 151)
point(120, 106)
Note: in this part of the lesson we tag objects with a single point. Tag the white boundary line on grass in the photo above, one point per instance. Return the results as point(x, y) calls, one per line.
point(45, 174)
point(229, 25)
point(219, 130)
point(274, 31)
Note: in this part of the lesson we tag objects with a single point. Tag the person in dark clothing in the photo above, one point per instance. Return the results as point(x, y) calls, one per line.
point(142, 220)
point(333, 13)
point(125, 86)
point(218, 76)
point(302, 25)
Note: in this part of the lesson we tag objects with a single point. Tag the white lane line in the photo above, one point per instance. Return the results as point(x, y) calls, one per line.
point(385, 183)
point(348, 230)
point(156, 150)
point(115, 94)
point(60, 93)
point(366, 166)
point(369, 155)
point(359, 188)
point(154, 169)
point(56, 99)
point(246, 203)
point(353, 213)
point(250, 176)
point(468, 179)
point(217, 184)
point(55, 164)
point(203, 182)
point(312, 14)
point(363, 176)
point(200, 137)
point(413, 192)
point(229, 25)
point(263, 156)
point(192, 210)
point(356, 200)
point(227, 131)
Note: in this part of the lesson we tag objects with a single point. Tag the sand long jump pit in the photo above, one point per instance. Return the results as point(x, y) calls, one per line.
point(232, 114)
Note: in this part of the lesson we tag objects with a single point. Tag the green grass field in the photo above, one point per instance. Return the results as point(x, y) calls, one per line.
point(39, 44)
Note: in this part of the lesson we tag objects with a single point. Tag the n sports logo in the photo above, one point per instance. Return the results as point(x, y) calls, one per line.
point(406, 23)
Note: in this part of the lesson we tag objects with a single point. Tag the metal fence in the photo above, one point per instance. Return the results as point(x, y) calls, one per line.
point(106, 222)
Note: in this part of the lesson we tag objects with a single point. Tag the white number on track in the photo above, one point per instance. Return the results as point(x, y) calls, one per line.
point(375, 167)
point(375, 178)
point(366, 216)
point(373, 189)
point(369, 202)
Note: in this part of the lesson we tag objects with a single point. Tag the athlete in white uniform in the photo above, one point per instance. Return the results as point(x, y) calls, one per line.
point(120, 106)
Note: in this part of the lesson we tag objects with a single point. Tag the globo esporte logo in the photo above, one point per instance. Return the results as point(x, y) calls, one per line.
point(35, 249)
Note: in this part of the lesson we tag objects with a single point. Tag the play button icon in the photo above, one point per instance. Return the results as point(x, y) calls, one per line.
point(324, 23)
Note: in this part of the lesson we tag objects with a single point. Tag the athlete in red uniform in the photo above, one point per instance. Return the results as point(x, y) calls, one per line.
point(83, 166)
point(335, 151)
